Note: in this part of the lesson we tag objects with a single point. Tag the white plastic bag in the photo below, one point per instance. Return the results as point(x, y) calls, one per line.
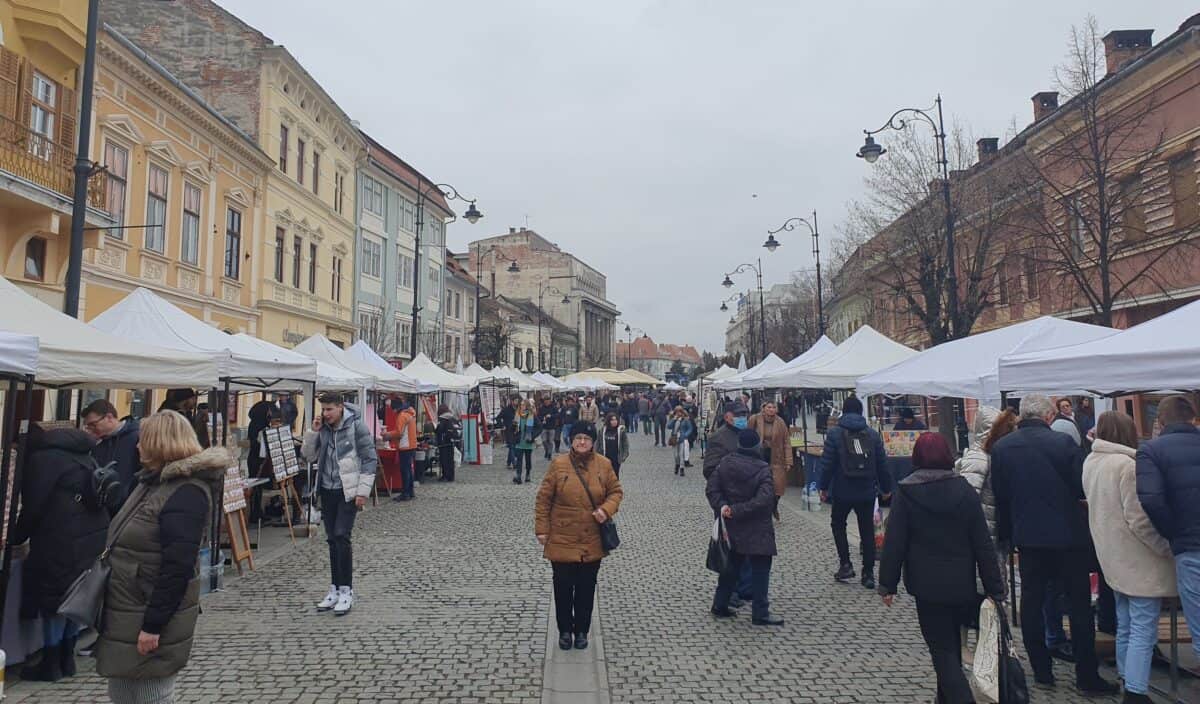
point(985, 672)
point(457, 457)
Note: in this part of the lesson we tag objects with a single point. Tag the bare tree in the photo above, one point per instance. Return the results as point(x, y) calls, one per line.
point(1102, 183)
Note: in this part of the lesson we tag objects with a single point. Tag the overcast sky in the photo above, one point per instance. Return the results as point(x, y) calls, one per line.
point(634, 133)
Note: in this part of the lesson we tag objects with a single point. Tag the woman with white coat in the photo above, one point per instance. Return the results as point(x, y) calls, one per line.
point(1136, 560)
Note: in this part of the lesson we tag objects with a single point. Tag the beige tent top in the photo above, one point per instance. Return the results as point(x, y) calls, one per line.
point(611, 376)
point(643, 377)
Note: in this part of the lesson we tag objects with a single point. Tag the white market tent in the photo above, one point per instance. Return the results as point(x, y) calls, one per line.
point(554, 383)
point(385, 379)
point(475, 371)
point(330, 376)
point(1161, 353)
point(672, 386)
point(967, 368)
point(526, 382)
point(360, 356)
point(770, 364)
point(820, 347)
point(18, 354)
point(423, 370)
point(862, 353)
point(720, 373)
point(142, 315)
point(580, 381)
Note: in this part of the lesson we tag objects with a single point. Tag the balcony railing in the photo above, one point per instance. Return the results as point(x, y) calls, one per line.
point(38, 159)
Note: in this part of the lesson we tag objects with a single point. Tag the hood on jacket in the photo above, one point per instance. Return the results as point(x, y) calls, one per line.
point(934, 491)
point(854, 422)
point(67, 439)
point(1104, 447)
point(207, 465)
point(350, 412)
point(985, 418)
point(448, 415)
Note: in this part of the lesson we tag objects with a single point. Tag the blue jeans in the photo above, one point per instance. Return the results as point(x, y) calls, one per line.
point(745, 582)
point(57, 628)
point(1137, 634)
point(512, 456)
point(760, 567)
point(406, 473)
point(1187, 571)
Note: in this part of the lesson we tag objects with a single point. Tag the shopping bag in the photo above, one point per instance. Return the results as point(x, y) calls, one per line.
point(1013, 687)
point(720, 552)
point(879, 528)
point(985, 673)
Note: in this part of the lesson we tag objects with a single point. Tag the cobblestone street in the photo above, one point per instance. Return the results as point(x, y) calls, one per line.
point(453, 601)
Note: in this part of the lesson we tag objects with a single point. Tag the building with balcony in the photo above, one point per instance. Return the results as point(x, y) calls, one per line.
point(41, 50)
point(302, 274)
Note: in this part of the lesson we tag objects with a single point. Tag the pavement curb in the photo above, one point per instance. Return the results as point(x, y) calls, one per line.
point(575, 676)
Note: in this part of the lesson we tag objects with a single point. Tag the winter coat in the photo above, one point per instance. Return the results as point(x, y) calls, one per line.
point(356, 456)
point(570, 414)
point(681, 429)
point(723, 442)
point(590, 412)
point(121, 447)
point(1168, 485)
point(857, 490)
point(406, 426)
point(937, 536)
point(1037, 478)
point(65, 535)
point(548, 417)
point(663, 409)
point(780, 445)
point(622, 449)
point(742, 481)
point(643, 406)
point(1136, 560)
point(1067, 427)
point(449, 430)
point(563, 511)
point(155, 583)
point(525, 431)
point(629, 407)
point(976, 466)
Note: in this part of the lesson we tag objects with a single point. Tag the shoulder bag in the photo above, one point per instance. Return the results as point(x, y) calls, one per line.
point(83, 602)
point(609, 540)
point(720, 551)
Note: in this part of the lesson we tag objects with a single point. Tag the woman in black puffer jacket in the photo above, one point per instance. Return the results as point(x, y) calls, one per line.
point(65, 530)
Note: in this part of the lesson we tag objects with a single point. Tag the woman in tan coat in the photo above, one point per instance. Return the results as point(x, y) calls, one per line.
point(776, 445)
point(567, 522)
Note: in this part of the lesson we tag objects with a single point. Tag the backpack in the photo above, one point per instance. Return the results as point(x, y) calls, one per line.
point(857, 454)
point(102, 487)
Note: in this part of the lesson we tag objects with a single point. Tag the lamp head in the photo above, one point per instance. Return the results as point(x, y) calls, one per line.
point(628, 329)
point(870, 151)
point(472, 215)
point(566, 300)
point(728, 282)
point(724, 307)
point(513, 268)
point(771, 244)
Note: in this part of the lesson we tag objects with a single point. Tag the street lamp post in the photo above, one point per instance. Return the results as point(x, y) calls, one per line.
point(762, 307)
point(472, 215)
point(566, 300)
point(513, 268)
point(870, 152)
point(629, 343)
point(789, 225)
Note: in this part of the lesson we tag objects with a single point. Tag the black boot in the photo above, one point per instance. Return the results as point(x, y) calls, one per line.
point(67, 656)
point(565, 640)
point(49, 669)
point(844, 573)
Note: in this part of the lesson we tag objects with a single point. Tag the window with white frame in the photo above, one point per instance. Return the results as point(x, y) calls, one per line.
point(403, 332)
point(368, 328)
point(233, 243)
point(371, 254)
point(372, 193)
point(471, 309)
point(435, 276)
point(405, 278)
point(458, 305)
point(41, 115)
point(407, 214)
point(156, 210)
point(116, 158)
point(457, 346)
point(189, 234)
point(449, 303)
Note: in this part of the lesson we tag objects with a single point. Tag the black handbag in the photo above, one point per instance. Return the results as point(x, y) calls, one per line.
point(720, 551)
point(609, 540)
point(1013, 687)
point(83, 602)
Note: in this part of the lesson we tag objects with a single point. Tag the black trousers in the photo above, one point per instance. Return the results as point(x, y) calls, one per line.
point(660, 431)
point(446, 459)
point(1070, 567)
point(574, 593)
point(338, 516)
point(941, 626)
point(864, 511)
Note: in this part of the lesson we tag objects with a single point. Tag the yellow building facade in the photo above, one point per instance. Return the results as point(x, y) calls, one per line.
point(305, 268)
point(41, 51)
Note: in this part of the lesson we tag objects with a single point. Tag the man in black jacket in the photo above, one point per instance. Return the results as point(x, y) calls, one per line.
point(725, 440)
point(854, 488)
point(548, 416)
point(1168, 486)
point(118, 441)
point(1037, 478)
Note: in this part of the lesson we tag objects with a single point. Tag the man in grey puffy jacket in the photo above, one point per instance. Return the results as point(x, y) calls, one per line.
point(341, 445)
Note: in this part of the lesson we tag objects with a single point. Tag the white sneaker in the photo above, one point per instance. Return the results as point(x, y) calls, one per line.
point(330, 600)
point(345, 599)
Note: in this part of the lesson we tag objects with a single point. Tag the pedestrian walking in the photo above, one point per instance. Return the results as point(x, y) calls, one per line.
point(976, 467)
point(1168, 486)
point(579, 492)
point(153, 597)
point(741, 491)
point(525, 433)
point(340, 443)
point(64, 523)
point(938, 538)
point(662, 412)
point(548, 415)
point(1136, 559)
point(1037, 478)
point(724, 440)
point(853, 475)
point(589, 411)
point(504, 421)
point(776, 447)
point(680, 428)
point(568, 417)
point(614, 442)
point(447, 436)
point(645, 412)
point(629, 411)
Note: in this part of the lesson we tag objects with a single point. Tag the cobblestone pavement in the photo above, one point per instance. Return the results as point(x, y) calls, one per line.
point(453, 600)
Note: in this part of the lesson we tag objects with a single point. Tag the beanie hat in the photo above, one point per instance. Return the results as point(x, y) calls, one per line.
point(583, 427)
point(747, 440)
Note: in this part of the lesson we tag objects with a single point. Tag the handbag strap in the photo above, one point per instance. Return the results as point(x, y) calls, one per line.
point(586, 490)
point(141, 493)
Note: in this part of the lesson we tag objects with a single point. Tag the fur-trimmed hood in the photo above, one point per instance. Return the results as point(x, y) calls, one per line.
point(207, 465)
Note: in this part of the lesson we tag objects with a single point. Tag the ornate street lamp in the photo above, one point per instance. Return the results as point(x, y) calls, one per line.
point(789, 225)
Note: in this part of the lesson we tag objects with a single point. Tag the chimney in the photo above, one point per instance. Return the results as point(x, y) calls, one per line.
point(1121, 46)
point(1044, 103)
point(512, 230)
point(987, 148)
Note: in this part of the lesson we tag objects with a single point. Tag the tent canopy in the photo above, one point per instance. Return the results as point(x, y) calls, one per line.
point(722, 372)
point(820, 347)
point(672, 386)
point(18, 354)
point(610, 376)
point(1158, 354)
point(967, 368)
point(507, 375)
point(642, 377)
point(383, 376)
point(73, 353)
point(770, 364)
point(583, 381)
point(862, 353)
point(330, 376)
point(423, 370)
point(550, 381)
point(475, 370)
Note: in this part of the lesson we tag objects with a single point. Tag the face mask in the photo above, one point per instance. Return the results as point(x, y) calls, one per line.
point(740, 422)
